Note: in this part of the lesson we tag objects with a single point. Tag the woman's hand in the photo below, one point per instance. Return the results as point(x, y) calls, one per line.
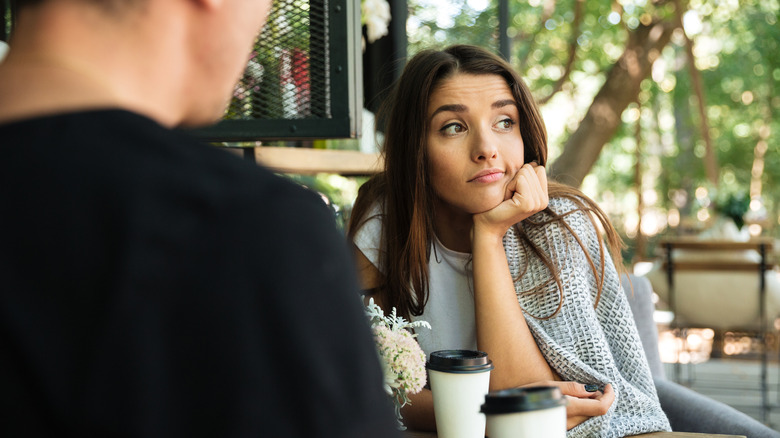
point(582, 404)
point(526, 195)
point(501, 328)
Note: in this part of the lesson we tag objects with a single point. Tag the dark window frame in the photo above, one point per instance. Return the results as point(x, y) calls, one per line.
point(345, 91)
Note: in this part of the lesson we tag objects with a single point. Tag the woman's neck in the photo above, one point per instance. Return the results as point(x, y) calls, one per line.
point(453, 228)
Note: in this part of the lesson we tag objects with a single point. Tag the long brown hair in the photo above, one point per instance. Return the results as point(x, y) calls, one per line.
point(404, 189)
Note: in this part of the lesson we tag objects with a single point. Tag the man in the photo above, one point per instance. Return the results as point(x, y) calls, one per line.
point(151, 285)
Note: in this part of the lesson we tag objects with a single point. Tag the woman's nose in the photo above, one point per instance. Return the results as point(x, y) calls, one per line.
point(484, 146)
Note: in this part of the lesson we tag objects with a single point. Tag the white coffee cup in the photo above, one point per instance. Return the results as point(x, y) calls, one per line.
point(459, 381)
point(526, 413)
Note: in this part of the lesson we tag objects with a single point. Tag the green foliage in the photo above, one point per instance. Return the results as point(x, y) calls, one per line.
point(338, 192)
point(468, 26)
point(733, 205)
point(7, 15)
point(736, 46)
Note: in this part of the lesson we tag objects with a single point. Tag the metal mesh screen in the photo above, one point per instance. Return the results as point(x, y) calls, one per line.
point(287, 75)
point(303, 80)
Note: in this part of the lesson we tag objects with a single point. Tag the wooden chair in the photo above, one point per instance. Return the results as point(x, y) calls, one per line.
point(756, 319)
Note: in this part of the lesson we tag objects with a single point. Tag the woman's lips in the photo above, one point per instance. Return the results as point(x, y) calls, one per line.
point(488, 176)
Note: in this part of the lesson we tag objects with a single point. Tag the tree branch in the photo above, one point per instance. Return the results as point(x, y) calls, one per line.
point(575, 35)
point(621, 88)
point(641, 241)
point(710, 158)
point(547, 11)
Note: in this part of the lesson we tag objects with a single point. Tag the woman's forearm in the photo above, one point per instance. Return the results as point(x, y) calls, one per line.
point(418, 415)
point(501, 328)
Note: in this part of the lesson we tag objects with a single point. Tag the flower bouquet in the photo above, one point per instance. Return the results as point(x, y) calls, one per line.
point(402, 359)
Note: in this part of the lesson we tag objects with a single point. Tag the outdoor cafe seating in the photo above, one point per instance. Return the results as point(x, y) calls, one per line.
point(690, 414)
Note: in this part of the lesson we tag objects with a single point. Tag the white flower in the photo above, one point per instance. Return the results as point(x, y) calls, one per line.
point(403, 361)
point(375, 15)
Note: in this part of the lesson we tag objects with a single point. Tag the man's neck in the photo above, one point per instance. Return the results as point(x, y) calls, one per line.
point(61, 65)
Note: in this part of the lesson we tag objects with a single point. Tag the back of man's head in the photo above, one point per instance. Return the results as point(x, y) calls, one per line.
point(110, 4)
point(175, 61)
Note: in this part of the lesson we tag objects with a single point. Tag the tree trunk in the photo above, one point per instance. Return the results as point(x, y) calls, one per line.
point(640, 240)
point(683, 137)
point(603, 117)
point(759, 152)
point(710, 156)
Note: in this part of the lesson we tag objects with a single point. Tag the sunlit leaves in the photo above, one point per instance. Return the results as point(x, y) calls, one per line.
point(736, 45)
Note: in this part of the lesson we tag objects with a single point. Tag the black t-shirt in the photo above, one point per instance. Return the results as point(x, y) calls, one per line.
point(154, 286)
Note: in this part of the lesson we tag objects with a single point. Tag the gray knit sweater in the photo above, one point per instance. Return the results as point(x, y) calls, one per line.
point(585, 344)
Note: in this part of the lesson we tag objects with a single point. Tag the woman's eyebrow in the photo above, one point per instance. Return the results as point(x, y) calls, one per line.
point(502, 103)
point(454, 107)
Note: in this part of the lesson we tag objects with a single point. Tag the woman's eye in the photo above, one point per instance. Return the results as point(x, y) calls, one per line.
point(452, 129)
point(505, 124)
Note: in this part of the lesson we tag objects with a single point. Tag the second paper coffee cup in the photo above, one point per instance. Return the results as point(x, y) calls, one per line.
point(526, 412)
point(459, 381)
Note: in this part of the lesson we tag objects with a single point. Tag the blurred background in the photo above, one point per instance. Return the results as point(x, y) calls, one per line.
point(686, 92)
point(665, 112)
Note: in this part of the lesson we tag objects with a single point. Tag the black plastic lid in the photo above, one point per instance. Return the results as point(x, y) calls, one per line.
point(459, 361)
point(514, 400)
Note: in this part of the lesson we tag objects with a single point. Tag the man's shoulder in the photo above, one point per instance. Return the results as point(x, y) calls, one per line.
point(175, 154)
point(137, 156)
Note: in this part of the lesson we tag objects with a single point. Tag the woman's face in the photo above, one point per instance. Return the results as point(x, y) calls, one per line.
point(474, 143)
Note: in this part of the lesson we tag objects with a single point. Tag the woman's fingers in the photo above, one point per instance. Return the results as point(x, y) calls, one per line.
point(526, 195)
point(582, 404)
point(530, 188)
point(596, 404)
point(576, 389)
point(541, 175)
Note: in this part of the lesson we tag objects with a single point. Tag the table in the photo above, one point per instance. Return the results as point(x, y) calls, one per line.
point(415, 434)
point(685, 435)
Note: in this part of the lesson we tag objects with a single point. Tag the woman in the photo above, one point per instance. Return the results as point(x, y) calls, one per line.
point(463, 230)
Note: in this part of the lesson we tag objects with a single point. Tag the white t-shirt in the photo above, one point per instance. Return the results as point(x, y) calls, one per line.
point(450, 308)
point(582, 342)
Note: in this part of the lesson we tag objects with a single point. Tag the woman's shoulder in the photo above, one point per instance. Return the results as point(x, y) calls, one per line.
point(570, 208)
point(564, 204)
point(368, 234)
point(373, 217)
